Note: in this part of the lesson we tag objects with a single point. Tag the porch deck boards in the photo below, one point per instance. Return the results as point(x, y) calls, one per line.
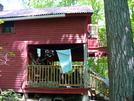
point(56, 90)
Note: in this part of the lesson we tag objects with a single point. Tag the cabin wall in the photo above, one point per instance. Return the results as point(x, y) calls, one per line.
point(67, 30)
point(52, 31)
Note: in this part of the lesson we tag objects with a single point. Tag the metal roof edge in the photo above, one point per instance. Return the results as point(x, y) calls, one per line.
point(33, 17)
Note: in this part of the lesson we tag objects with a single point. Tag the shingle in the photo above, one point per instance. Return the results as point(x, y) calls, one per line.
point(45, 11)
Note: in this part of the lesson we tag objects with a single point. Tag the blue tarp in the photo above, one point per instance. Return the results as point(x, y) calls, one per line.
point(65, 59)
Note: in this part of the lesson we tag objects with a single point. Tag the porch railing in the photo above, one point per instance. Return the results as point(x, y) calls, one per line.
point(52, 77)
point(98, 40)
point(102, 40)
point(97, 84)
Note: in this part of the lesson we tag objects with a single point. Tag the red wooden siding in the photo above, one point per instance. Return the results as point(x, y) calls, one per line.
point(52, 31)
point(67, 30)
point(92, 42)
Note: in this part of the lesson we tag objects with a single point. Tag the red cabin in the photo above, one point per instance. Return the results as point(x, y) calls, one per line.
point(34, 36)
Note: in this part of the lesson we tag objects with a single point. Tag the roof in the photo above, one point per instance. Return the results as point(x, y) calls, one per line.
point(45, 11)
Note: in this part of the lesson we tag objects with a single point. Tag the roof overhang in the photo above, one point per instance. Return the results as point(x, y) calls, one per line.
point(33, 17)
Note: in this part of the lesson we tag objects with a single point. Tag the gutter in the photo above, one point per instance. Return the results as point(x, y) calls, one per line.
point(33, 17)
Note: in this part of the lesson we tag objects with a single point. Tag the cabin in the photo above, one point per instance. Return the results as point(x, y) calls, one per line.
point(47, 44)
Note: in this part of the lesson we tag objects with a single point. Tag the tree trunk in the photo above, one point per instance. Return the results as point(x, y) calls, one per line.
point(120, 50)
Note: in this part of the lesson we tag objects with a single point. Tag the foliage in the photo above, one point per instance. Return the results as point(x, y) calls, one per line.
point(9, 95)
point(48, 3)
point(5, 58)
point(1, 21)
point(97, 6)
point(77, 63)
point(11, 54)
point(99, 65)
point(102, 40)
point(3, 51)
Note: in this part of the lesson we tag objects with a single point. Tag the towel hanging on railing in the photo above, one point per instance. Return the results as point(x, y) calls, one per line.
point(38, 52)
point(65, 59)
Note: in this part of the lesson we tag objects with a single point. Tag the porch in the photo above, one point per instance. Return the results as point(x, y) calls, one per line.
point(50, 76)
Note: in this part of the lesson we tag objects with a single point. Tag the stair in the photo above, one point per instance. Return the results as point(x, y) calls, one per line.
point(96, 96)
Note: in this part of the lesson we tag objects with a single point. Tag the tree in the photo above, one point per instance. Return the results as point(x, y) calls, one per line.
point(48, 3)
point(6, 58)
point(120, 50)
point(131, 7)
point(97, 6)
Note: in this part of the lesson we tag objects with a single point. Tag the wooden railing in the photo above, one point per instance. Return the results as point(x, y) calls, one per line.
point(97, 84)
point(51, 76)
point(102, 43)
point(102, 40)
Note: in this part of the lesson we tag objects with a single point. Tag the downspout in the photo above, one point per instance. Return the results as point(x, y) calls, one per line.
point(85, 64)
point(32, 17)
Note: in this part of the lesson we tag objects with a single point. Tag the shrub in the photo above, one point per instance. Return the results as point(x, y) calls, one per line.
point(9, 95)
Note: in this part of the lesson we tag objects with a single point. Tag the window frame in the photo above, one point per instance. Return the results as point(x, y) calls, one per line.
point(8, 27)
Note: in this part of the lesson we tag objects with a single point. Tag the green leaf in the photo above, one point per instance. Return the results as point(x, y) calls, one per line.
point(1, 21)
point(11, 54)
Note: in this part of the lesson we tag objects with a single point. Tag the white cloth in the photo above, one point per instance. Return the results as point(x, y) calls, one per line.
point(39, 52)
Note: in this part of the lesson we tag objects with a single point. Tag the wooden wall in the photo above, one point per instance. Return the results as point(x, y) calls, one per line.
point(68, 30)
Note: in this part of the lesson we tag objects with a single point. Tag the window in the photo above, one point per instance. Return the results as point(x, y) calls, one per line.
point(8, 27)
point(93, 30)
